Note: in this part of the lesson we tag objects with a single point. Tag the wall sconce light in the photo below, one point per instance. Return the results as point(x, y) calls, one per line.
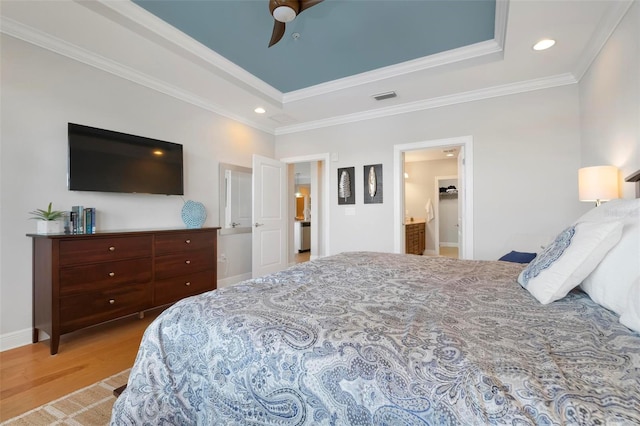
point(598, 183)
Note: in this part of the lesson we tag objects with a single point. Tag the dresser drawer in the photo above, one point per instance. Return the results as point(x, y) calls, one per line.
point(104, 276)
point(175, 242)
point(82, 310)
point(173, 265)
point(91, 250)
point(174, 289)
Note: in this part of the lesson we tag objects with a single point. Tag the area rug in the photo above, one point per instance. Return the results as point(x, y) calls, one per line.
point(90, 406)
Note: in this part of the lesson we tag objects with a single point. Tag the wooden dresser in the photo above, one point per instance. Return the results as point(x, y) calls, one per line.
point(85, 279)
point(414, 237)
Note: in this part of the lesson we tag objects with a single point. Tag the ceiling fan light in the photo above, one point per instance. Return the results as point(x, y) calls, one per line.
point(284, 14)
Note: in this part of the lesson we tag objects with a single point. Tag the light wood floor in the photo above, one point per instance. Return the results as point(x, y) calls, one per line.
point(303, 257)
point(449, 252)
point(30, 376)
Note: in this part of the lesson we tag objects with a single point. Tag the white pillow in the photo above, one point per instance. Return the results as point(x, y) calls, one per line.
point(609, 284)
point(572, 256)
point(631, 315)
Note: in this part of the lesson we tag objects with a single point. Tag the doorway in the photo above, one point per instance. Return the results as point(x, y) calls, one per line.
point(315, 209)
point(465, 193)
point(301, 223)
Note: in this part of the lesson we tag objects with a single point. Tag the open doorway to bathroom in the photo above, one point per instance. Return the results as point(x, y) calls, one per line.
point(431, 197)
point(418, 197)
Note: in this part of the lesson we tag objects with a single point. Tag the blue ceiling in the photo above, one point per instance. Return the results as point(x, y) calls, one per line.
point(338, 38)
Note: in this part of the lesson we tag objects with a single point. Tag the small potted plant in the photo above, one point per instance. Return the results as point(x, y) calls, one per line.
point(48, 220)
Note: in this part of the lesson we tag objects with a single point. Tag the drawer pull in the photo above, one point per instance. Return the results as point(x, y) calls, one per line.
point(112, 248)
point(187, 283)
point(187, 262)
point(112, 274)
point(188, 241)
point(112, 301)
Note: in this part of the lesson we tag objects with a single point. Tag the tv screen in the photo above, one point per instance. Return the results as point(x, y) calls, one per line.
point(107, 161)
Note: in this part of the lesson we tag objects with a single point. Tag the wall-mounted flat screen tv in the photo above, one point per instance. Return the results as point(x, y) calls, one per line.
point(108, 161)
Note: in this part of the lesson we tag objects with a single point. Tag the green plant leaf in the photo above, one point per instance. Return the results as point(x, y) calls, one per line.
point(48, 214)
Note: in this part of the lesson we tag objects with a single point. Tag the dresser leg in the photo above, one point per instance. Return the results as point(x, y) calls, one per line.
point(55, 342)
point(36, 335)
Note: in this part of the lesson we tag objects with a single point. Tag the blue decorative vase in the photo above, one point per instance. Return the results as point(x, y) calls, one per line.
point(193, 214)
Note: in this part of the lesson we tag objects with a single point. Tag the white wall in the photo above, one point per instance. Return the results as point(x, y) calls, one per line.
point(41, 92)
point(526, 157)
point(610, 103)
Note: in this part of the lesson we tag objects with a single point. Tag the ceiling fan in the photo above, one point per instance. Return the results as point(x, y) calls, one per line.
point(284, 11)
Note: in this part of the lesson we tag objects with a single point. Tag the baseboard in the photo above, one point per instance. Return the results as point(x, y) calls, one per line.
point(228, 282)
point(429, 253)
point(448, 244)
point(16, 339)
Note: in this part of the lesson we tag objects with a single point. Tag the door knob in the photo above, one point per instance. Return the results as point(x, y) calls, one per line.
point(258, 224)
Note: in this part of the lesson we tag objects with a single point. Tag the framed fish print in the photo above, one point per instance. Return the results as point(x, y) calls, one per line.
point(373, 184)
point(346, 185)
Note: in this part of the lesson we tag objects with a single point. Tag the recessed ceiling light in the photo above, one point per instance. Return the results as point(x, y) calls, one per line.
point(260, 110)
point(449, 155)
point(544, 44)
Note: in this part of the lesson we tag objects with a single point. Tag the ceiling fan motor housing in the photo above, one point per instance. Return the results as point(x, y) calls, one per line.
point(284, 10)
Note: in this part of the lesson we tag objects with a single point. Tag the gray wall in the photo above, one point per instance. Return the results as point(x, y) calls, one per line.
point(526, 156)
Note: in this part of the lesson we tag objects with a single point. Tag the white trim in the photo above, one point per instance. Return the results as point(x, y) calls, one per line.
point(398, 180)
point(140, 16)
point(457, 98)
point(326, 217)
point(221, 66)
point(61, 47)
point(146, 19)
point(445, 244)
point(608, 24)
point(16, 339)
point(500, 24)
point(152, 23)
point(484, 48)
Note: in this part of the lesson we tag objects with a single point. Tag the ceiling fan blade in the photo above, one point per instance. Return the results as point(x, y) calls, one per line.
point(306, 4)
point(278, 32)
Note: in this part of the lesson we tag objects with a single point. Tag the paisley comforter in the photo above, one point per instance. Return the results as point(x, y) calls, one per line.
point(371, 339)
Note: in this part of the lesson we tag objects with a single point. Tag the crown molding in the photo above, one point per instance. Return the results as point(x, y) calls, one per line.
point(427, 62)
point(69, 50)
point(500, 24)
point(464, 97)
point(488, 47)
point(171, 35)
point(140, 16)
point(607, 26)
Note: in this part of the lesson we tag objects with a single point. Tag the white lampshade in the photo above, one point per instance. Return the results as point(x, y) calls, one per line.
point(598, 183)
point(284, 14)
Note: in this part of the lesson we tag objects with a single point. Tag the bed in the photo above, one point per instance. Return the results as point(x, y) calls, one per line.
point(365, 338)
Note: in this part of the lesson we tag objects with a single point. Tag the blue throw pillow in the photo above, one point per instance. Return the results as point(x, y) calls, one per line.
point(518, 257)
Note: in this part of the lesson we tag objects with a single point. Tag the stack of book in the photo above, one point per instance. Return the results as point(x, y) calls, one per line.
point(80, 220)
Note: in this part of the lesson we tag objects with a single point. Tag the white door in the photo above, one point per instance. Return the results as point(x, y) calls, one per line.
point(269, 236)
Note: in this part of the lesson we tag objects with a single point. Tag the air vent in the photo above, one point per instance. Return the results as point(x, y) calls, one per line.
point(383, 96)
